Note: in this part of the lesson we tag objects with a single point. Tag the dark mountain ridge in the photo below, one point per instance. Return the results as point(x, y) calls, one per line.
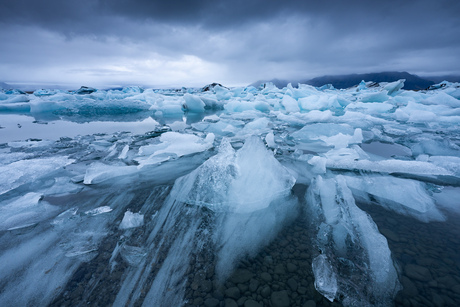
point(413, 82)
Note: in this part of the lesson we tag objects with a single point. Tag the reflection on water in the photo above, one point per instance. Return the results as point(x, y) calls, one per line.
point(49, 126)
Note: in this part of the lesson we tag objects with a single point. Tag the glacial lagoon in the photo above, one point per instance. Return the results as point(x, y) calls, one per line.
point(299, 196)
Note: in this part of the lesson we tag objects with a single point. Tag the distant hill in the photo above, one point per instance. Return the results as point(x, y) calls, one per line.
point(413, 82)
point(438, 79)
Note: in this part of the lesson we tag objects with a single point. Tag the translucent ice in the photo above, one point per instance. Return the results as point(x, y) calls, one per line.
point(325, 278)
point(355, 263)
point(193, 103)
point(229, 207)
point(24, 171)
point(99, 172)
point(174, 144)
point(242, 181)
point(394, 87)
point(24, 211)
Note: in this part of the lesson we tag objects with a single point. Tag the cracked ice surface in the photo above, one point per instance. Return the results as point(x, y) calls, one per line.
point(162, 189)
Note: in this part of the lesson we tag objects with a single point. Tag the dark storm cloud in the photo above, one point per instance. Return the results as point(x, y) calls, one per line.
point(244, 40)
point(81, 16)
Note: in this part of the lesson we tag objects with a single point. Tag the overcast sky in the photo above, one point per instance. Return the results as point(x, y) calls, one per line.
point(192, 43)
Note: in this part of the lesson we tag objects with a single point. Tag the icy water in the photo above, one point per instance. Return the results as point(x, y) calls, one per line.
point(242, 197)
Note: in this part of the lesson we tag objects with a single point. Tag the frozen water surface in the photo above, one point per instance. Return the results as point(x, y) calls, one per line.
point(295, 196)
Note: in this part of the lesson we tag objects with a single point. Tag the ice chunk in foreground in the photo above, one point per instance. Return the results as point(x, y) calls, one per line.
point(131, 220)
point(242, 181)
point(226, 209)
point(352, 250)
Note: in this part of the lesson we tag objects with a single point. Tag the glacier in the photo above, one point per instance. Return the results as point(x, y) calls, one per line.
point(230, 196)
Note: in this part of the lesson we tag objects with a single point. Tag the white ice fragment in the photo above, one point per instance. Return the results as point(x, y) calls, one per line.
point(99, 210)
point(442, 98)
point(290, 104)
point(124, 153)
point(270, 140)
point(174, 144)
point(391, 166)
point(131, 220)
point(99, 172)
point(211, 118)
point(179, 144)
point(222, 93)
point(394, 87)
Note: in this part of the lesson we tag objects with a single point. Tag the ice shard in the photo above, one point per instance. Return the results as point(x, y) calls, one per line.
point(354, 264)
point(226, 209)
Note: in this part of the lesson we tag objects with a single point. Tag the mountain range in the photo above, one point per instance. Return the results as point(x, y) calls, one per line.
point(413, 82)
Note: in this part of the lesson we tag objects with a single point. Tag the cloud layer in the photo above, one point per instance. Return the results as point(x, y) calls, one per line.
point(191, 43)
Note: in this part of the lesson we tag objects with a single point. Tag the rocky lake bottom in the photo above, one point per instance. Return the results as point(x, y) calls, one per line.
point(426, 256)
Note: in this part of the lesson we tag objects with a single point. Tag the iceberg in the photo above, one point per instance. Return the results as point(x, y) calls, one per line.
point(193, 103)
point(219, 205)
point(243, 181)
